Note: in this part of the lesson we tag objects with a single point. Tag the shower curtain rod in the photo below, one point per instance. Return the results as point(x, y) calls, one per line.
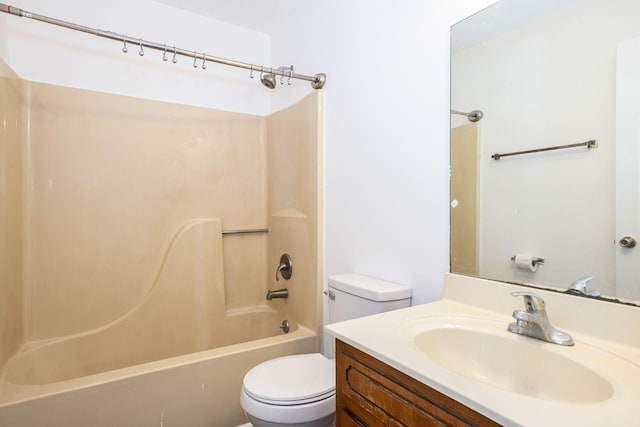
point(317, 81)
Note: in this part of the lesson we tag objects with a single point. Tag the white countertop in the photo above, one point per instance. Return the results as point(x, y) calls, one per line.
point(388, 337)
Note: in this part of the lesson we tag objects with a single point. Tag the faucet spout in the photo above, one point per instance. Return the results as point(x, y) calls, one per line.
point(278, 293)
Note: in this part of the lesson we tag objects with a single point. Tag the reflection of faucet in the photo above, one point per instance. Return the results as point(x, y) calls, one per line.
point(285, 268)
point(278, 293)
point(580, 287)
point(533, 321)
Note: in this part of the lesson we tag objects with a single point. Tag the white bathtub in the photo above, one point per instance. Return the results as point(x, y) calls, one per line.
point(175, 358)
point(198, 389)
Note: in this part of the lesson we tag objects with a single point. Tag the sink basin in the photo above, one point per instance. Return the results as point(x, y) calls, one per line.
point(483, 350)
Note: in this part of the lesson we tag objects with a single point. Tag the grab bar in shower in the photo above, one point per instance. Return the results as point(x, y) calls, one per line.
point(247, 231)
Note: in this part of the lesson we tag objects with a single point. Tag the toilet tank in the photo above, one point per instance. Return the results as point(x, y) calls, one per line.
point(352, 295)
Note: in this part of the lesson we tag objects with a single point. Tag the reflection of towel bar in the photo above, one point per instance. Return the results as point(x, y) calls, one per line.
point(593, 143)
point(248, 231)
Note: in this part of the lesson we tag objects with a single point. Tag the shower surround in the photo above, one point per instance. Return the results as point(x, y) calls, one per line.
point(119, 282)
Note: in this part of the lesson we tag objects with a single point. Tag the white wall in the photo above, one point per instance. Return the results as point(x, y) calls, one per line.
point(45, 53)
point(387, 105)
point(3, 35)
point(387, 131)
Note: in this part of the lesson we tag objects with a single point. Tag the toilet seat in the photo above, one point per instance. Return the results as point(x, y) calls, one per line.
point(291, 380)
point(319, 413)
point(297, 389)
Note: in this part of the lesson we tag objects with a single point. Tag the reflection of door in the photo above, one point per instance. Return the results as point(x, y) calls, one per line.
point(627, 166)
point(464, 199)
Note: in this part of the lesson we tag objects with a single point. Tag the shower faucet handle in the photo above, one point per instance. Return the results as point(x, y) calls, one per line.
point(285, 268)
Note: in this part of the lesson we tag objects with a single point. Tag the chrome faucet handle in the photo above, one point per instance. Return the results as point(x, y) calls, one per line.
point(581, 287)
point(285, 268)
point(582, 282)
point(533, 303)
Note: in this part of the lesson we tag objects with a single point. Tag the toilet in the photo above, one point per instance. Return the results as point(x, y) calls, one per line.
point(300, 390)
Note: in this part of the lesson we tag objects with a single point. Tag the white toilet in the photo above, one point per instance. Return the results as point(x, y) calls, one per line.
point(300, 390)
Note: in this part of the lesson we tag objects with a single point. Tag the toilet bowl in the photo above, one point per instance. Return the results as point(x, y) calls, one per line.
point(290, 391)
point(300, 390)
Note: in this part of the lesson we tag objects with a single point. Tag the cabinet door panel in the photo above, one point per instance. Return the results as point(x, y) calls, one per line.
point(377, 394)
point(346, 418)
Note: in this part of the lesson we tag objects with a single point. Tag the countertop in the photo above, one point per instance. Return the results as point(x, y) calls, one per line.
point(389, 337)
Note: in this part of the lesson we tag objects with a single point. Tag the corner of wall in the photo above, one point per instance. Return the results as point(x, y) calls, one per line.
point(3, 36)
point(295, 204)
point(11, 297)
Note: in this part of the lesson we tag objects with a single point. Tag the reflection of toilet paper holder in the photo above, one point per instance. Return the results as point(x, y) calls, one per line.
point(536, 261)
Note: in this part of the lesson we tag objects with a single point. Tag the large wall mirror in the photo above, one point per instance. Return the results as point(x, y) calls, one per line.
point(548, 74)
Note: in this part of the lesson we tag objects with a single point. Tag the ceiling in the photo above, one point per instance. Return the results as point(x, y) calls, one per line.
point(500, 18)
point(257, 15)
point(266, 16)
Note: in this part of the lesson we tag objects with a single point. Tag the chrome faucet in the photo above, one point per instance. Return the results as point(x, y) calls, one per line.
point(278, 293)
point(533, 321)
point(580, 287)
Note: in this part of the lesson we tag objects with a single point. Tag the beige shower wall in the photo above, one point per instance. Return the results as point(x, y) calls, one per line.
point(11, 313)
point(111, 180)
point(295, 148)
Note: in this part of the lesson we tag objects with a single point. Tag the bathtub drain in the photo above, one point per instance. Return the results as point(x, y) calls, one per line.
point(285, 326)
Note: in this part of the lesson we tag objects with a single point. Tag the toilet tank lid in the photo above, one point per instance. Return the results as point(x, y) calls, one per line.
point(368, 287)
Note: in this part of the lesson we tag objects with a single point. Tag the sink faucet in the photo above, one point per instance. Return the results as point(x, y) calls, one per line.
point(581, 287)
point(278, 293)
point(533, 321)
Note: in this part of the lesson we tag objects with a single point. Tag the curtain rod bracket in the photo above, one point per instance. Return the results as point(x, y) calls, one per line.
point(318, 80)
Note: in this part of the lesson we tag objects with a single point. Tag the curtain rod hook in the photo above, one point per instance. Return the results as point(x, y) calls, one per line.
point(195, 55)
point(164, 55)
point(174, 60)
point(204, 61)
point(141, 53)
point(251, 74)
point(124, 41)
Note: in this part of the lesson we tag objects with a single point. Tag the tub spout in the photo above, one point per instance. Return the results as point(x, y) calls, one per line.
point(278, 293)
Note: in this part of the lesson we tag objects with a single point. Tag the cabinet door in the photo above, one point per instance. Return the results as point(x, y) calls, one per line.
point(371, 393)
point(346, 418)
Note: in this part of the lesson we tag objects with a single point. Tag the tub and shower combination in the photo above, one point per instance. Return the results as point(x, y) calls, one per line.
point(144, 237)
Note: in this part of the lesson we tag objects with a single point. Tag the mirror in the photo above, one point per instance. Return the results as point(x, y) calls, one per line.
point(546, 75)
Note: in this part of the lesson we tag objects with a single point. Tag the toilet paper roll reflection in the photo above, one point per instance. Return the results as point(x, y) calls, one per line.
point(526, 262)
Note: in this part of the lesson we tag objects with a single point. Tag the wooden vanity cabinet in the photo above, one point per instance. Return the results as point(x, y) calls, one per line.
point(371, 393)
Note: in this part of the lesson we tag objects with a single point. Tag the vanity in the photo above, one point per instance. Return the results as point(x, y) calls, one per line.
point(453, 362)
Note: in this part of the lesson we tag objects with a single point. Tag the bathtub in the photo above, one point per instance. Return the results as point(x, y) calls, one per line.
point(176, 357)
point(197, 389)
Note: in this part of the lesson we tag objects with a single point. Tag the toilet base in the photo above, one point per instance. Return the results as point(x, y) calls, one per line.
point(327, 421)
